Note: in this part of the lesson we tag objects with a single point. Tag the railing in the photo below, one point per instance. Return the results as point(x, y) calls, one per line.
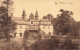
point(33, 28)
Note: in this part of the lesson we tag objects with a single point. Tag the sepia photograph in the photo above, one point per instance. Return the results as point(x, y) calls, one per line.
point(39, 24)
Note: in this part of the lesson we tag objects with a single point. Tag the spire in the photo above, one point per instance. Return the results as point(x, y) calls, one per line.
point(36, 10)
point(36, 15)
point(23, 14)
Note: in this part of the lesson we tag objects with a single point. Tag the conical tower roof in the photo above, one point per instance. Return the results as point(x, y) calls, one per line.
point(23, 14)
point(36, 15)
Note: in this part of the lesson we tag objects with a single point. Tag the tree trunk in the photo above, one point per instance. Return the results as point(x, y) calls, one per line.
point(7, 37)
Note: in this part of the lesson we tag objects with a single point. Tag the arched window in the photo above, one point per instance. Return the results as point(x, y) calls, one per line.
point(49, 33)
point(20, 34)
point(31, 22)
point(15, 34)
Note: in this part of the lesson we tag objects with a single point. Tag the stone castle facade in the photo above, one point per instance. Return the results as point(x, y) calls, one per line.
point(32, 24)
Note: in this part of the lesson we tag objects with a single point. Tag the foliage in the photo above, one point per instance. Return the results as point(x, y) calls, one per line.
point(50, 17)
point(44, 17)
point(12, 45)
point(33, 34)
point(30, 37)
point(26, 33)
point(49, 44)
point(64, 23)
point(2, 36)
point(7, 25)
point(68, 45)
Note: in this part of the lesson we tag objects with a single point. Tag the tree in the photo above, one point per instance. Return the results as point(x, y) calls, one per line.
point(7, 25)
point(50, 17)
point(68, 45)
point(64, 23)
point(48, 44)
point(44, 17)
point(30, 37)
point(26, 34)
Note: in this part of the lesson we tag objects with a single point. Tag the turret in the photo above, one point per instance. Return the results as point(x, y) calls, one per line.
point(23, 14)
point(36, 15)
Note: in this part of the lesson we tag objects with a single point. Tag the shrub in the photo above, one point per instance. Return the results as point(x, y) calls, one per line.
point(10, 46)
point(48, 44)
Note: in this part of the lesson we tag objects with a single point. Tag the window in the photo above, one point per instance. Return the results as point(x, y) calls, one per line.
point(20, 34)
point(48, 27)
point(20, 26)
point(31, 22)
point(44, 27)
point(15, 34)
point(34, 26)
point(20, 30)
point(49, 33)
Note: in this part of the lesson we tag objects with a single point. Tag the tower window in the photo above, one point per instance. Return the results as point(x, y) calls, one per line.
point(31, 22)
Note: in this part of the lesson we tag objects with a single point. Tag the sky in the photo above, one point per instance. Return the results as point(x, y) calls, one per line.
point(45, 7)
